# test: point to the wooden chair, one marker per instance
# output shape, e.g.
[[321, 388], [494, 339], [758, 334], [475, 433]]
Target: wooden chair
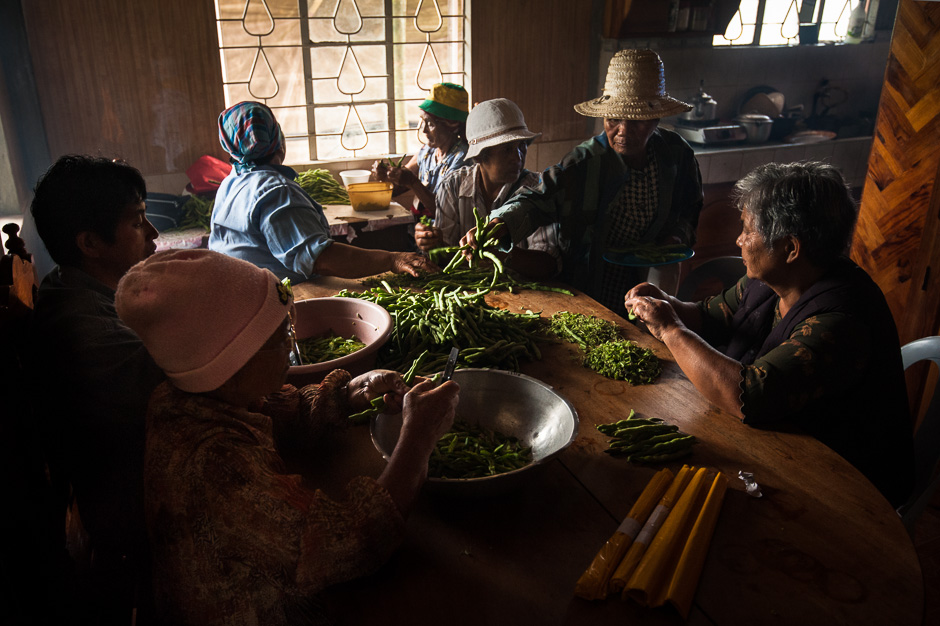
[[711, 277], [926, 438]]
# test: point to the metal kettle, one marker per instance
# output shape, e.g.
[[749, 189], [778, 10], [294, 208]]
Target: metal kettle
[[704, 107]]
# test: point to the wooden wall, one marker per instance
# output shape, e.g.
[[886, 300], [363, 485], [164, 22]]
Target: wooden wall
[[537, 53], [898, 236], [140, 80]]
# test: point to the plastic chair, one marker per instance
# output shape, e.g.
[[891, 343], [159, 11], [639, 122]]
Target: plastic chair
[[927, 437], [723, 270]]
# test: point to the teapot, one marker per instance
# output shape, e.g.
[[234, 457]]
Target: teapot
[[704, 107]]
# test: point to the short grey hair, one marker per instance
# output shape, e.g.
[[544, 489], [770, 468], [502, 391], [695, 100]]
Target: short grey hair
[[810, 201]]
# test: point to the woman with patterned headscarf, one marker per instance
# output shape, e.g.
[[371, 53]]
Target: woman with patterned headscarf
[[263, 216], [444, 130]]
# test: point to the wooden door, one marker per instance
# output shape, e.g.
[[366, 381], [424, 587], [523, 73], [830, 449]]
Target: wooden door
[[898, 235]]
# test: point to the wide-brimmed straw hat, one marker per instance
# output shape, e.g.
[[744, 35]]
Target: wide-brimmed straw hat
[[495, 122], [635, 90]]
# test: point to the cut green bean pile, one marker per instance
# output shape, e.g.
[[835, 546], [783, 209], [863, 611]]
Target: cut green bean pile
[[624, 360], [586, 331], [649, 440], [470, 451], [197, 213], [319, 349], [322, 187], [436, 321]]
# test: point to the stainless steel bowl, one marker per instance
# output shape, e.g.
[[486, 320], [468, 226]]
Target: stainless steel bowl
[[507, 402]]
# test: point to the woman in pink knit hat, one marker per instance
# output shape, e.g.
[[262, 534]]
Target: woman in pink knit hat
[[237, 538]]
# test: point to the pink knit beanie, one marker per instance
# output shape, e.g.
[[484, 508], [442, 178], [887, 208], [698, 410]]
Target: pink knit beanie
[[201, 315]]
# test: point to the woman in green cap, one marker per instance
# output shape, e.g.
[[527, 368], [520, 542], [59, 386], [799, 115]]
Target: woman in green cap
[[443, 126]]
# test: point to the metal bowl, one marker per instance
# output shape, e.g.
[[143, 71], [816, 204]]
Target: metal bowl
[[510, 403], [318, 317]]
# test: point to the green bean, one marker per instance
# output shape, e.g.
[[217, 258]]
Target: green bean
[[470, 451], [641, 442], [586, 331], [322, 187], [196, 213], [624, 360], [320, 349]]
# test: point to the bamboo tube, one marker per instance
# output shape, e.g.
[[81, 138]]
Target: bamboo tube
[[651, 577], [689, 570], [594, 581], [622, 574]]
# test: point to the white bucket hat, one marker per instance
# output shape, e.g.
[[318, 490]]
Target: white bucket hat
[[495, 122], [635, 89]]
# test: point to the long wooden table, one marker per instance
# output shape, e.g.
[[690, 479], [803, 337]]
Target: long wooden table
[[821, 546]]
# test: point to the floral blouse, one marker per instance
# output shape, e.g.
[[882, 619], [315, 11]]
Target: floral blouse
[[236, 538]]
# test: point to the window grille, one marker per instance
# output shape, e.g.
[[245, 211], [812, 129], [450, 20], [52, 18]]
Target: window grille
[[343, 77], [777, 22]]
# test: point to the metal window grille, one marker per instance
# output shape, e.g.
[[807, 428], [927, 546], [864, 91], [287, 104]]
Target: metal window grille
[[343, 77], [777, 22]]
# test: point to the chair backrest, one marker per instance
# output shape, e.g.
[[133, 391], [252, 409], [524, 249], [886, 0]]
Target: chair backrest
[[927, 436], [717, 274]]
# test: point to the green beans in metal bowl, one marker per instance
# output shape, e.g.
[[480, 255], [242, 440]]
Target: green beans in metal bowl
[[496, 401]]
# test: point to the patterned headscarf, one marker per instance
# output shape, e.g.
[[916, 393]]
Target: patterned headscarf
[[249, 132]]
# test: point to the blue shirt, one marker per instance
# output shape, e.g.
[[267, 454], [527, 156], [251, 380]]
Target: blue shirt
[[264, 217]]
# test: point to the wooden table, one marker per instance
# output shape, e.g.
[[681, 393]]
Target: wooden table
[[822, 546], [387, 230]]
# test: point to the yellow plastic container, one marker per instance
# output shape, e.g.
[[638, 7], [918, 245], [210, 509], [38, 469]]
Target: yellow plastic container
[[373, 196]]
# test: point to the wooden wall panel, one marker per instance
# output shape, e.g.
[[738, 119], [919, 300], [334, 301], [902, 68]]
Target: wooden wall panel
[[898, 235], [138, 79], [537, 53]]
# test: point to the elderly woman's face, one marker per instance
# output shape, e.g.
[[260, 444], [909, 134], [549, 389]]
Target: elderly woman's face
[[762, 263], [437, 132], [628, 137]]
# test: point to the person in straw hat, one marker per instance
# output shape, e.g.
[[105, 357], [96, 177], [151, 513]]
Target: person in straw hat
[[499, 140], [442, 129], [237, 537], [632, 183]]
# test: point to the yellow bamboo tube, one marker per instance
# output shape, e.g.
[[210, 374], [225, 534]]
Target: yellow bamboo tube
[[689, 570], [622, 574], [593, 582], [651, 577]]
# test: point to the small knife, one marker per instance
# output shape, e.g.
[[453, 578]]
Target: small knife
[[451, 364]]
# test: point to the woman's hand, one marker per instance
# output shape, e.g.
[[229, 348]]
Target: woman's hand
[[654, 311], [428, 413], [428, 237], [402, 176], [379, 171], [412, 263], [388, 385]]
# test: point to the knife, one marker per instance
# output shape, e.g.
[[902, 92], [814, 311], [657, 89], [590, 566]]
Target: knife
[[451, 364]]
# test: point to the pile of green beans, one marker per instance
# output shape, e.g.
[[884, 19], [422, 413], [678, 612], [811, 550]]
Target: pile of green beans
[[436, 321], [469, 451], [624, 360], [319, 349], [586, 331], [653, 253], [322, 187], [649, 440], [197, 213]]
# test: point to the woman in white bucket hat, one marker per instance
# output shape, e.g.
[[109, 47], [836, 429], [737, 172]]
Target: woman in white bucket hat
[[498, 140], [632, 183]]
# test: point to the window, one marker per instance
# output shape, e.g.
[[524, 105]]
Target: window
[[778, 22], [343, 77]]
